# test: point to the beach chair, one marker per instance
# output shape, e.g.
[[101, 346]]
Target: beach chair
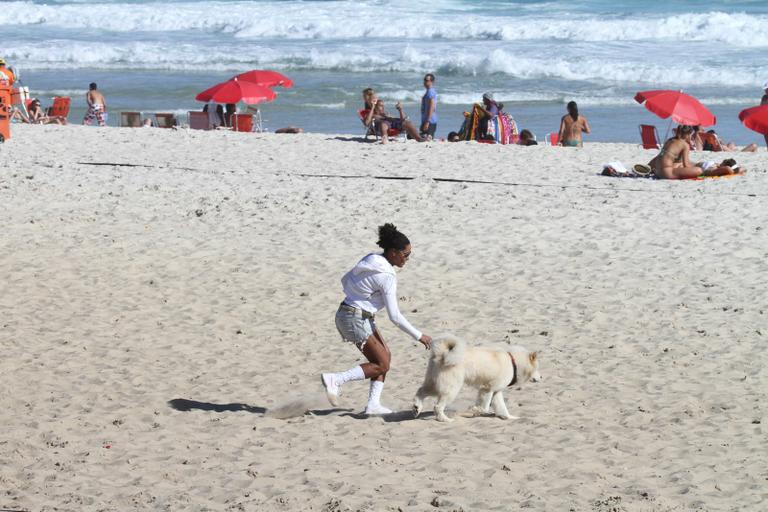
[[198, 120], [60, 107], [371, 128], [256, 113], [131, 120], [165, 120], [242, 122], [710, 141], [649, 136], [552, 138]]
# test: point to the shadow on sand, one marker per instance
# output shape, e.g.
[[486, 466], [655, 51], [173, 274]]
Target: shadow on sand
[[185, 405]]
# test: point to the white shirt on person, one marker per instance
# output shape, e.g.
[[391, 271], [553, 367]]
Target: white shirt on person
[[371, 285]]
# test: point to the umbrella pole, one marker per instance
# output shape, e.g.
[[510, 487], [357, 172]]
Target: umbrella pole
[[669, 127]]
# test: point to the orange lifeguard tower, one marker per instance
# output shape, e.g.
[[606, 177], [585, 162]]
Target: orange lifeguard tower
[[6, 109]]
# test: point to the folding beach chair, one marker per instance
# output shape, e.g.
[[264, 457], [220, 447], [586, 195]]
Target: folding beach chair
[[198, 120], [710, 141], [370, 129], [649, 136], [60, 107], [242, 122], [552, 138], [165, 120], [131, 119], [256, 114]]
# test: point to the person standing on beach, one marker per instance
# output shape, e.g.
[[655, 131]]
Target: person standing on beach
[[7, 78], [370, 286], [571, 126], [764, 101], [97, 106], [429, 108]]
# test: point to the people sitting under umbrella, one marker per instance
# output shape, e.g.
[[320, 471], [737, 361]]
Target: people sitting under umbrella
[[673, 161]]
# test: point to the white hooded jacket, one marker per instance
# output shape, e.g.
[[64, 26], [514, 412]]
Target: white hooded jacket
[[371, 285]]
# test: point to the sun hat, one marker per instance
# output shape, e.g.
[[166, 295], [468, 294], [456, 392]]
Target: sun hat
[[765, 85], [2, 61]]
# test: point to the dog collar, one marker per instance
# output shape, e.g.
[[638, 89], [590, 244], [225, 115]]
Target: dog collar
[[514, 370]]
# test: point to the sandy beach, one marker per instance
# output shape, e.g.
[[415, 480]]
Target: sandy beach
[[167, 305]]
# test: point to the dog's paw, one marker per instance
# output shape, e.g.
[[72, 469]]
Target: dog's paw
[[476, 411], [443, 418], [507, 417], [416, 410]]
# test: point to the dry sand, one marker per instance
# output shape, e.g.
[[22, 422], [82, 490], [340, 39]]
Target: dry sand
[[165, 317]]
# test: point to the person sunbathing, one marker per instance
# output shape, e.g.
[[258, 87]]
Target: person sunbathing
[[384, 122], [38, 116], [17, 116], [673, 161], [727, 166], [711, 142], [527, 138]]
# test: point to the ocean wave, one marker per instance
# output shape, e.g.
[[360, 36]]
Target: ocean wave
[[458, 62], [402, 21], [514, 97]]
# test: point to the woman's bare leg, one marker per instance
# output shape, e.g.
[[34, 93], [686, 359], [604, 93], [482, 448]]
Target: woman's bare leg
[[379, 357], [750, 148], [685, 173]]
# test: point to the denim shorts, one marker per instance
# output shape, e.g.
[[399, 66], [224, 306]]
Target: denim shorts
[[354, 328]]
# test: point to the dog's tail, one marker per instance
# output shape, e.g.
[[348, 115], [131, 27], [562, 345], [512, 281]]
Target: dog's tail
[[448, 350]]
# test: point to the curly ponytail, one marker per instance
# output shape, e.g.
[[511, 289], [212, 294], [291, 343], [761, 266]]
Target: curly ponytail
[[391, 238]]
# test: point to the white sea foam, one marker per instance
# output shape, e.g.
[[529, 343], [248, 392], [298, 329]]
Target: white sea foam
[[512, 97], [403, 22], [467, 62]]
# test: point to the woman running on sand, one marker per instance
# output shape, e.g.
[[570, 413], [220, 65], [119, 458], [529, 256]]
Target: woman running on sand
[[369, 287]]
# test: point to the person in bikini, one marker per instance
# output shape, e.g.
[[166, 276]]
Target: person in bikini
[[38, 116], [97, 106], [571, 126], [711, 142], [673, 161], [383, 122]]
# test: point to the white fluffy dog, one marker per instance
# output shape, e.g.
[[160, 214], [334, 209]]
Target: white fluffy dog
[[453, 364]]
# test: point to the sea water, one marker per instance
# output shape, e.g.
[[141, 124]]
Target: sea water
[[535, 56]]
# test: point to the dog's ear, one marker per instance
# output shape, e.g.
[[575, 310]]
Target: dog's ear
[[533, 356]]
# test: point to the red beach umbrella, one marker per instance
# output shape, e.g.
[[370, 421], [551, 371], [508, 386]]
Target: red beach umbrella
[[234, 90], [755, 118], [683, 108], [265, 77]]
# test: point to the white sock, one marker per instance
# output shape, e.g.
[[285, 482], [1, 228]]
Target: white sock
[[374, 392], [355, 373]]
